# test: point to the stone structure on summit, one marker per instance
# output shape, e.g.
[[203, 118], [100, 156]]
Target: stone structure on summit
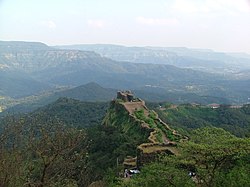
[[126, 96]]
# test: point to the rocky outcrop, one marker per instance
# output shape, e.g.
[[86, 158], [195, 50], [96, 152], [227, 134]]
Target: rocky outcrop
[[126, 96]]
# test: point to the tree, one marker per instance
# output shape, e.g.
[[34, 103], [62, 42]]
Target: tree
[[213, 151], [48, 154]]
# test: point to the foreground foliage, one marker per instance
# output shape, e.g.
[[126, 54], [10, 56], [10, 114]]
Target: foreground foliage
[[49, 148], [215, 156], [40, 155]]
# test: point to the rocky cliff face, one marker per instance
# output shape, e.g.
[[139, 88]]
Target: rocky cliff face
[[33, 57], [31, 67]]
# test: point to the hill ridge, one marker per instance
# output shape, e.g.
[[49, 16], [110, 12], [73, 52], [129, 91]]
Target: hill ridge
[[160, 139]]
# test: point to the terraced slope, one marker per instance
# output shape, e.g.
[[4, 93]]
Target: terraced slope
[[161, 139], [158, 137]]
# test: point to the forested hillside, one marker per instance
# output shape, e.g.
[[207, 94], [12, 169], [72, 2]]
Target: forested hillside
[[188, 117], [90, 92], [73, 112], [75, 143]]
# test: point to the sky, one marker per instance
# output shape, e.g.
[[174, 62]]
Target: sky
[[221, 25]]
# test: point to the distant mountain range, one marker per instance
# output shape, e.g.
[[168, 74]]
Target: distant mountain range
[[198, 59], [28, 68]]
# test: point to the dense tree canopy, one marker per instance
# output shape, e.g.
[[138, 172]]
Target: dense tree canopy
[[213, 156], [48, 154], [188, 117], [50, 148]]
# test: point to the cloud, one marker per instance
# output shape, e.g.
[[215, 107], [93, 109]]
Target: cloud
[[96, 23], [49, 24], [157, 21]]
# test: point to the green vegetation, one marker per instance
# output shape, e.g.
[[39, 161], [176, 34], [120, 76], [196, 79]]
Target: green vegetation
[[65, 144], [117, 138], [187, 117], [151, 120], [47, 154], [215, 156], [90, 92], [140, 114], [168, 133], [73, 112], [159, 136]]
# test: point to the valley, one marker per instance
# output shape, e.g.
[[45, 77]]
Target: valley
[[30, 69]]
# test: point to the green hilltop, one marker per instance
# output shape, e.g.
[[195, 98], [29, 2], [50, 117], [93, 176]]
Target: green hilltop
[[151, 135]]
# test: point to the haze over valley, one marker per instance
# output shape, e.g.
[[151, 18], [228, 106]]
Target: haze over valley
[[182, 51], [186, 75]]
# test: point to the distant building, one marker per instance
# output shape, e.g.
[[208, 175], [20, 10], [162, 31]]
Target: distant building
[[236, 106], [214, 105]]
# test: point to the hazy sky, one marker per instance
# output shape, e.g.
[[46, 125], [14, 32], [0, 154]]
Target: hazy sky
[[222, 25]]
